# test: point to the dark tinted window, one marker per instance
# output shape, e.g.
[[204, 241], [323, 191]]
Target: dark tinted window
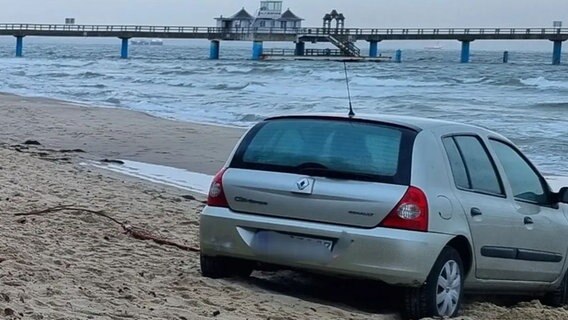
[[327, 147], [480, 168], [525, 182], [456, 163]]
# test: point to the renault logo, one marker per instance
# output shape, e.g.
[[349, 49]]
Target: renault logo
[[303, 184]]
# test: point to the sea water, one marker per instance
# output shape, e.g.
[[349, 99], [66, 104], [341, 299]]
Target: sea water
[[526, 100]]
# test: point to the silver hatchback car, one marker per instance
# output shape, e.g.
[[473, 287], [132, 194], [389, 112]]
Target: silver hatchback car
[[433, 206]]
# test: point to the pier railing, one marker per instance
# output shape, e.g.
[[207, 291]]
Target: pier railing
[[142, 29], [307, 52], [437, 31], [23, 27], [99, 28]]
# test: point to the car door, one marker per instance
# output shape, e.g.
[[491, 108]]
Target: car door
[[489, 213], [540, 228]]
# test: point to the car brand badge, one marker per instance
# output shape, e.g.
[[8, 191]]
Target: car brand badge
[[303, 184]]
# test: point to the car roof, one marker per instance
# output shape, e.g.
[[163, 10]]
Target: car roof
[[415, 123]]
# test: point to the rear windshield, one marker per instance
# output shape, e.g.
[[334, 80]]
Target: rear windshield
[[345, 149]]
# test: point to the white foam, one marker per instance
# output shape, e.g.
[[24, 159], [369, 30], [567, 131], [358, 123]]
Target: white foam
[[388, 82], [557, 182], [173, 177], [543, 83]]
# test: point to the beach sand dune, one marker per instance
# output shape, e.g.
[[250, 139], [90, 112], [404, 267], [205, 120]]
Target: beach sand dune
[[78, 265]]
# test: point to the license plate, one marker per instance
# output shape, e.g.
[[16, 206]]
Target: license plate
[[326, 243]]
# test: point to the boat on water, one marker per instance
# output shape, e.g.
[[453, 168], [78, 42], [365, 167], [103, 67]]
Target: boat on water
[[143, 42]]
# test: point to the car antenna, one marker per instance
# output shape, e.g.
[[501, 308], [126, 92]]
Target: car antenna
[[351, 113]]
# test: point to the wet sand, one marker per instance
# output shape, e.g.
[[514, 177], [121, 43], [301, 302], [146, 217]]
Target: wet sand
[[116, 133], [79, 265]]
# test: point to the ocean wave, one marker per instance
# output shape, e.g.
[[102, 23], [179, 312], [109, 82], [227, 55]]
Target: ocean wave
[[232, 69], [250, 118], [553, 105], [69, 64], [91, 74], [330, 75], [543, 83], [251, 70], [257, 87], [232, 87], [178, 72], [510, 82], [182, 85], [51, 75], [376, 82], [473, 80], [114, 101], [144, 81], [95, 86]]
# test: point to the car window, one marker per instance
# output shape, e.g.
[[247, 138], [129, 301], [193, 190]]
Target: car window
[[525, 182], [479, 166], [456, 163], [368, 151]]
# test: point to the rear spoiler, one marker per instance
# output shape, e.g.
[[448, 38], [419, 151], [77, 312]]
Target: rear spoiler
[[346, 118]]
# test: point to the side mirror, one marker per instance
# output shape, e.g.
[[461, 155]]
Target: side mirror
[[563, 195]]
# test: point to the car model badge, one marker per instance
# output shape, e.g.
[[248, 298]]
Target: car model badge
[[303, 184]]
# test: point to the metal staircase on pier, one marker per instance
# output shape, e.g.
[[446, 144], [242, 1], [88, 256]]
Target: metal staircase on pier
[[347, 47]]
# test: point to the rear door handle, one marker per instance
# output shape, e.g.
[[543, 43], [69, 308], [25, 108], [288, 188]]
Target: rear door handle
[[528, 220], [475, 212]]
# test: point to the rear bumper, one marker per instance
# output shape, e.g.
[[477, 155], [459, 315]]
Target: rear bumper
[[396, 257]]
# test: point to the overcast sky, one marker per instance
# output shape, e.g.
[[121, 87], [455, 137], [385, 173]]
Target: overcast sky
[[359, 13]]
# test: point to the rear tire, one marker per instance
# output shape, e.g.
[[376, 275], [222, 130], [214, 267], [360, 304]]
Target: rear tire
[[559, 297], [442, 293], [223, 267]]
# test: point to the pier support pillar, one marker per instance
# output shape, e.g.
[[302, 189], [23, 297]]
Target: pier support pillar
[[398, 56], [506, 57], [214, 50], [124, 50], [19, 46], [465, 51], [373, 49], [257, 48], [300, 48], [557, 53]]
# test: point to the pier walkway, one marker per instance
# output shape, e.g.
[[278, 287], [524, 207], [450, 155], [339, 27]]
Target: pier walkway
[[343, 38]]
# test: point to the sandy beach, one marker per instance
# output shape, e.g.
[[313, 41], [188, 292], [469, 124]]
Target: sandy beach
[[80, 264], [116, 133]]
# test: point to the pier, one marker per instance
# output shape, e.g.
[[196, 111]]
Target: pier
[[343, 38]]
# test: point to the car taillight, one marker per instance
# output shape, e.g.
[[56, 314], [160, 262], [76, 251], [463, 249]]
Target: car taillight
[[216, 197], [411, 213]]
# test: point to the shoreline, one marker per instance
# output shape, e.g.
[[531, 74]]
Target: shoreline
[[85, 104], [157, 141], [116, 133]]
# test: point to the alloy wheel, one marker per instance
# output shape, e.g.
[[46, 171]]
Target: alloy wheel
[[448, 290]]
